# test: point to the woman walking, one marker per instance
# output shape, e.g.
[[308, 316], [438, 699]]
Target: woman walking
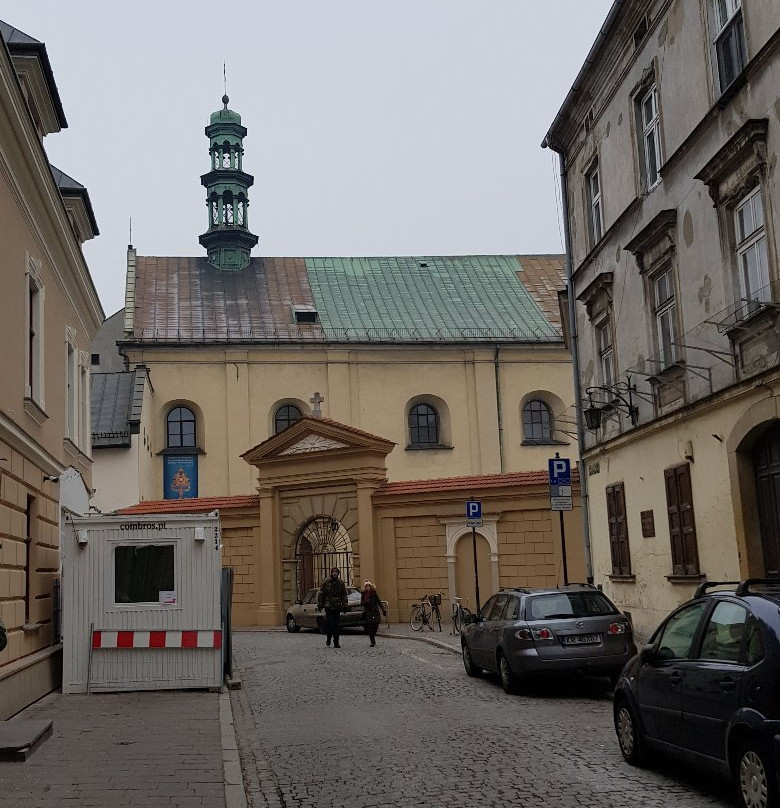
[[372, 605]]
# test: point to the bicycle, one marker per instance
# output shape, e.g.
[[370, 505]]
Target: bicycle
[[424, 612], [458, 614]]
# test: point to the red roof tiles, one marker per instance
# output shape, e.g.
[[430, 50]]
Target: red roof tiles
[[461, 483], [192, 505]]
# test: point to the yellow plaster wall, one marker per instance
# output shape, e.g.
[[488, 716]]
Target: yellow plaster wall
[[421, 564]]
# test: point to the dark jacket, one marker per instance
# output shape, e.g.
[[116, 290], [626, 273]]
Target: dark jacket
[[333, 594], [372, 605]]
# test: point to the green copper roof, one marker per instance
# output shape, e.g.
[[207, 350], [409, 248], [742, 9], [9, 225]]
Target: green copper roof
[[427, 298]]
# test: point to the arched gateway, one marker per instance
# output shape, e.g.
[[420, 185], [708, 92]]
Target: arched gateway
[[323, 543]]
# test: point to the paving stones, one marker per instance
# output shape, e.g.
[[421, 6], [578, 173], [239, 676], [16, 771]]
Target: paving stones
[[122, 749], [402, 725]]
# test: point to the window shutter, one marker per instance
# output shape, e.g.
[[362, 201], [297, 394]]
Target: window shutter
[[618, 529], [682, 525]]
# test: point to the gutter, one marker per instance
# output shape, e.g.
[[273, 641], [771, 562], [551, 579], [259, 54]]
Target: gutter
[[574, 341], [549, 141]]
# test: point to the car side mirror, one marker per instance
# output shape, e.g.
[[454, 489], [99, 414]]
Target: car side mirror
[[299, 602], [648, 654], [470, 619]]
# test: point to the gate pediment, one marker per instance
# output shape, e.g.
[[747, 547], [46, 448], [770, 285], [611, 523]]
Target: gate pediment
[[321, 446]]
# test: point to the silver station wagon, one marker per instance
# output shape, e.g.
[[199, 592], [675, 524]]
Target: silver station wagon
[[303, 613], [522, 632]]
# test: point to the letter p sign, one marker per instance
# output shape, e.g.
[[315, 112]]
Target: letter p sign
[[473, 509], [559, 471]]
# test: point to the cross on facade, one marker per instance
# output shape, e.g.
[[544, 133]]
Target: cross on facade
[[316, 399]]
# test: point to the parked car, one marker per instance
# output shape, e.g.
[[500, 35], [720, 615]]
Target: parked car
[[303, 613], [706, 688], [521, 632]]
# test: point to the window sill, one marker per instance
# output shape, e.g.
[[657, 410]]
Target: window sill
[[423, 447], [686, 579], [35, 411], [550, 442], [182, 450], [730, 91], [31, 628], [627, 579]]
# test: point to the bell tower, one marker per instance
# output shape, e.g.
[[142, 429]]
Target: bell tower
[[227, 240]]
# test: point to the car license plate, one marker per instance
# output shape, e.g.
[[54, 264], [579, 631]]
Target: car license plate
[[581, 639]]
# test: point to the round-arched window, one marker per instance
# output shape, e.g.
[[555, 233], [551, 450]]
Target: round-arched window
[[423, 425], [286, 416], [181, 428], [537, 423]]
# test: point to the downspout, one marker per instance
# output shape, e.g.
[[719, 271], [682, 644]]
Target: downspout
[[496, 368], [574, 342]]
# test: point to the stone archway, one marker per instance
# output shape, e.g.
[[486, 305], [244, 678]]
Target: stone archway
[[460, 559]]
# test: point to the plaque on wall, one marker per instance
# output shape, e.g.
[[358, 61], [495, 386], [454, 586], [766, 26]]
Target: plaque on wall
[[648, 524]]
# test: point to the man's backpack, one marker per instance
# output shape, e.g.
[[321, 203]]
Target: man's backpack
[[3, 636]]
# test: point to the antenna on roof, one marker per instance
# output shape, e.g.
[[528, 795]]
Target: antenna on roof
[[131, 231], [224, 76]]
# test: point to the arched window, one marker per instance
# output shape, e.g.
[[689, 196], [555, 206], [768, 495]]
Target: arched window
[[537, 424], [286, 416], [181, 428], [423, 425]]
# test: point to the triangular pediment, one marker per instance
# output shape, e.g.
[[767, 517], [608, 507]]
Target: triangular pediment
[[311, 437]]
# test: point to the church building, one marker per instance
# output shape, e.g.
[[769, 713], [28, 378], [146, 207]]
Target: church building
[[340, 410]]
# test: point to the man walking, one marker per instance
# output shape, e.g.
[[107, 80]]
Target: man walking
[[333, 598]]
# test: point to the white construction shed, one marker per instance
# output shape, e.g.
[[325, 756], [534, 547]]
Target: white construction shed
[[141, 602]]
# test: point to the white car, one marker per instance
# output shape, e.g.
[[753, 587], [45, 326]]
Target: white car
[[303, 613]]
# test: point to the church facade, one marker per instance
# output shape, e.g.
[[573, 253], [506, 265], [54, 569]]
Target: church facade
[[425, 370]]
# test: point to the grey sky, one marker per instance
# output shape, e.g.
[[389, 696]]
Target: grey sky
[[409, 127]]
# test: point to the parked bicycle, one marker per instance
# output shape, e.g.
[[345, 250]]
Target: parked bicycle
[[458, 614], [425, 612]]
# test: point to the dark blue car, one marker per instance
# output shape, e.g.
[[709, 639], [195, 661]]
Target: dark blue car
[[706, 689]]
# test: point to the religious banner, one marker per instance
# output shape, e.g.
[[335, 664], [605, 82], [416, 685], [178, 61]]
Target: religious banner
[[180, 477]]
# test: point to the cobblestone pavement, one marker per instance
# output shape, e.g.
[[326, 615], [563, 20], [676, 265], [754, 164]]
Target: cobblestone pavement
[[122, 749], [401, 725]]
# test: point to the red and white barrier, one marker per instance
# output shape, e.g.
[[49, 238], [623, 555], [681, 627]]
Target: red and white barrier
[[157, 639]]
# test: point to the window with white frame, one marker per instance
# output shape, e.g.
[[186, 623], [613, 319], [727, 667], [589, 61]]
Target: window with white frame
[[664, 305], [33, 388], [595, 215], [750, 240], [729, 40], [650, 143], [604, 347]]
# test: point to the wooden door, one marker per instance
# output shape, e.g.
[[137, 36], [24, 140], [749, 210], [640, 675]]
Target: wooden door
[[766, 461]]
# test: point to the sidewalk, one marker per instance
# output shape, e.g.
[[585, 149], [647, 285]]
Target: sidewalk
[[442, 639], [152, 749]]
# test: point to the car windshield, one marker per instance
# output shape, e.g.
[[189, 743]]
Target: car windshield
[[568, 604]]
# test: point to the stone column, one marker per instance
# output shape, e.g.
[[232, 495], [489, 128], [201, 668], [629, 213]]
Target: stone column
[[365, 513], [267, 558]]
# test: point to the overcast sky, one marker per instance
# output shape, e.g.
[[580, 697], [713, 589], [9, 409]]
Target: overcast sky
[[409, 127]]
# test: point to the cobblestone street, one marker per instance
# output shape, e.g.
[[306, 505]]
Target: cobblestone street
[[402, 725]]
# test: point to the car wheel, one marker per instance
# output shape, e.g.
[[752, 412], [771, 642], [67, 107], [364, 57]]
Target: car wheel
[[628, 733], [468, 662], [508, 679], [321, 625], [756, 784], [292, 626]]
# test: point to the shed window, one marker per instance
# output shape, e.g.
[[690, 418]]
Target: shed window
[[142, 571]]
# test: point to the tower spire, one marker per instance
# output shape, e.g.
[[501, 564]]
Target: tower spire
[[228, 241]]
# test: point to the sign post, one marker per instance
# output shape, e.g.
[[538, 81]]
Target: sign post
[[474, 520], [559, 472]]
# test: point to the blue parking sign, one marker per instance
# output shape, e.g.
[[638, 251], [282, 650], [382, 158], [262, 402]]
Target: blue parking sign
[[473, 509], [559, 469]]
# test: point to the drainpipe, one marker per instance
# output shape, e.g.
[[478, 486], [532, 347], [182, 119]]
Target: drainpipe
[[496, 368], [574, 342]]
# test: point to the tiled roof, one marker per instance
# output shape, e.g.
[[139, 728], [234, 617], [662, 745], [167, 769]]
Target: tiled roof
[[439, 299], [194, 505], [544, 276], [115, 407], [476, 482]]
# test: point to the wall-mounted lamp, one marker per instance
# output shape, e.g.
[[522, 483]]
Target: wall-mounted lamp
[[51, 478], [82, 538], [605, 399]]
